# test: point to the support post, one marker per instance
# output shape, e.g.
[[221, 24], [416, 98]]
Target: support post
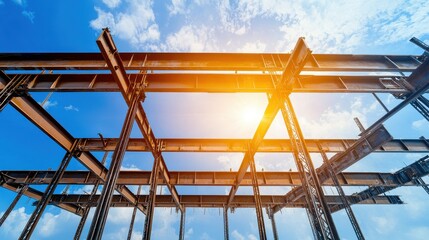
[[342, 195], [257, 197], [182, 224], [151, 199], [41, 205], [133, 217], [225, 223], [320, 216], [273, 223], [13, 204], [100, 215], [87, 209]]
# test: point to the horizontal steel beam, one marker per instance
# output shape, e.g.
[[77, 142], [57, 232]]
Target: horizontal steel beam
[[169, 82], [203, 178], [241, 145], [217, 201], [37, 195], [30, 109], [206, 61]]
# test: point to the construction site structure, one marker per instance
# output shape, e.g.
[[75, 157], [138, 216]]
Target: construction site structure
[[278, 75]]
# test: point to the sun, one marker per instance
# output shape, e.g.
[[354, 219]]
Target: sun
[[249, 115]]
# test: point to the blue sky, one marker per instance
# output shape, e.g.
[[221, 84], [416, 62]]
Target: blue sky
[[359, 27]]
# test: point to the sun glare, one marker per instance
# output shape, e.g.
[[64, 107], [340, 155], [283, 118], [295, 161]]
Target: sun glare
[[250, 115]]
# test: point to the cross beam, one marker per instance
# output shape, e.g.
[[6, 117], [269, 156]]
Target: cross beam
[[241, 145], [216, 201], [208, 61], [214, 83], [204, 178]]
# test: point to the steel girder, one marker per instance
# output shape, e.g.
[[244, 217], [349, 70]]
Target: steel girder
[[241, 145], [216, 201], [30, 109], [201, 178], [207, 61], [214, 83]]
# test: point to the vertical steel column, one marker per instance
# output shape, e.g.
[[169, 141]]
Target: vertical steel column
[[100, 215], [320, 216], [152, 198], [273, 223], [182, 224], [133, 217], [257, 197], [43, 202], [225, 223], [341, 193], [87, 209], [13, 204]]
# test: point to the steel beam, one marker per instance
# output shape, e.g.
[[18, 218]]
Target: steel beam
[[102, 211], [212, 83], [340, 161], [30, 109], [341, 193], [419, 81], [411, 173], [207, 61], [37, 195], [258, 203], [241, 145], [225, 224], [216, 201], [85, 213], [46, 198], [273, 223], [292, 69], [133, 217], [182, 225], [117, 66], [204, 178], [21, 192]]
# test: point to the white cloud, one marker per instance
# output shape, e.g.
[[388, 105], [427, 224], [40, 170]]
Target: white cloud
[[29, 15], [166, 224], [136, 24], [383, 224], [236, 235], [420, 124], [250, 47], [48, 104], [15, 223], [129, 167], [338, 122], [112, 3], [71, 108], [177, 7], [190, 38], [51, 224], [230, 19]]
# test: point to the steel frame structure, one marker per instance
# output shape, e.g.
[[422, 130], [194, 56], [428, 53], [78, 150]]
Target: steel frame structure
[[278, 75]]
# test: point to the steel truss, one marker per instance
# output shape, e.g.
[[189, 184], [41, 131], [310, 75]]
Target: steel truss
[[134, 74]]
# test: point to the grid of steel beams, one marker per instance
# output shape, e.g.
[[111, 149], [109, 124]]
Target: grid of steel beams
[[278, 75]]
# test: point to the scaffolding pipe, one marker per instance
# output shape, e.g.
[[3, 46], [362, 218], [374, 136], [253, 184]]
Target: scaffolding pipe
[[273, 223]]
